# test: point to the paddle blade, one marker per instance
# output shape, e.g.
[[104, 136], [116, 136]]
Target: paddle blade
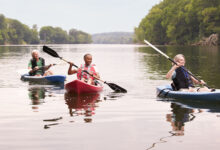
[[116, 88], [50, 51]]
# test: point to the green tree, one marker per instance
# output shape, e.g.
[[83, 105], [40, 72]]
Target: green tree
[[60, 36], [46, 34], [14, 32], [18, 33], [3, 33], [79, 37], [180, 22], [35, 35]]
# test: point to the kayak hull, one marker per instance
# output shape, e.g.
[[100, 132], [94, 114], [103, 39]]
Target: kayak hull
[[167, 92], [44, 79], [80, 87]]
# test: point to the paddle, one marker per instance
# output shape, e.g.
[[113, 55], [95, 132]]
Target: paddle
[[113, 86], [159, 51], [43, 67], [25, 71]]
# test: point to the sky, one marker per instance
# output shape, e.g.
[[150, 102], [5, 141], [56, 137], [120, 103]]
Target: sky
[[91, 16]]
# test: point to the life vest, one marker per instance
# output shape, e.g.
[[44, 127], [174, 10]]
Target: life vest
[[81, 74], [182, 79], [34, 64]]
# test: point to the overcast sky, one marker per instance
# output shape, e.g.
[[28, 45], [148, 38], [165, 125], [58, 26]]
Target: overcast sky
[[91, 16]]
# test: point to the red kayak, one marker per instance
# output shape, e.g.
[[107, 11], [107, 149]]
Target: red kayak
[[79, 87]]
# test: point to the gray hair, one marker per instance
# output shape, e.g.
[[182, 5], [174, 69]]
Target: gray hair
[[177, 57], [34, 51]]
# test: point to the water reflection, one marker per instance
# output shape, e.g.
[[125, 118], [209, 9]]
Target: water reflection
[[37, 93], [179, 117], [47, 126], [13, 51], [161, 140], [182, 112], [37, 96], [113, 96], [206, 106], [82, 105]]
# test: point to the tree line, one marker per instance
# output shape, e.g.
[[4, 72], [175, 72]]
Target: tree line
[[113, 38], [180, 22], [14, 32]]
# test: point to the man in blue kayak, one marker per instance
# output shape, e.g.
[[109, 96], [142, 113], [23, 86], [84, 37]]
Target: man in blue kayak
[[82, 72], [36, 65], [182, 80]]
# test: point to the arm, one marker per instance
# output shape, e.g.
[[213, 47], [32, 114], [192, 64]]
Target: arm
[[93, 74], [29, 67], [96, 75], [47, 67], [170, 72], [30, 70], [197, 82], [70, 70]]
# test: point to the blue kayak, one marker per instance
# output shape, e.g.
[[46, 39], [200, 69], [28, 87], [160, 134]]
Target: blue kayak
[[166, 91], [44, 79]]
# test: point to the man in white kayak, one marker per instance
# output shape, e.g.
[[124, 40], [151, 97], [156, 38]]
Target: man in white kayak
[[182, 80], [36, 65], [84, 69]]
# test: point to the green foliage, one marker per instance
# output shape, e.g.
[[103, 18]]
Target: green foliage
[[35, 38], [79, 37], [179, 22], [2, 22], [113, 38], [51, 35], [14, 32]]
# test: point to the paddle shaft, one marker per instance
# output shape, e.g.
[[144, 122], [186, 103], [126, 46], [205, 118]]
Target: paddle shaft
[[55, 54], [159, 51], [94, 76], [69, 62], [42, 67], [84, 71]]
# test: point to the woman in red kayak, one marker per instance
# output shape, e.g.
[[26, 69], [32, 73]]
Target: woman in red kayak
[[182, 80], [84, 68]]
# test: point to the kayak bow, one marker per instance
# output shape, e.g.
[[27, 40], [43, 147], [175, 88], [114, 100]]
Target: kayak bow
[[44, 79], [166, 91], [79, 87]]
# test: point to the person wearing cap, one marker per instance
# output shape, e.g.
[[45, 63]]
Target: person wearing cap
[[36, 65]]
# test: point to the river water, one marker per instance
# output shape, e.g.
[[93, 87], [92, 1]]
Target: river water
[[44, 117]]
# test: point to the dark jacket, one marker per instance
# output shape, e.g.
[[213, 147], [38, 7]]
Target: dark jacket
[[182, 79], [34, 64]]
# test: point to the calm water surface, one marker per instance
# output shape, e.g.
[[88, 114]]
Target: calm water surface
[[45, 117]]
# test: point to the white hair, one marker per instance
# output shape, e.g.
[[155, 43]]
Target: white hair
[[34, 51], [178, 56]]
